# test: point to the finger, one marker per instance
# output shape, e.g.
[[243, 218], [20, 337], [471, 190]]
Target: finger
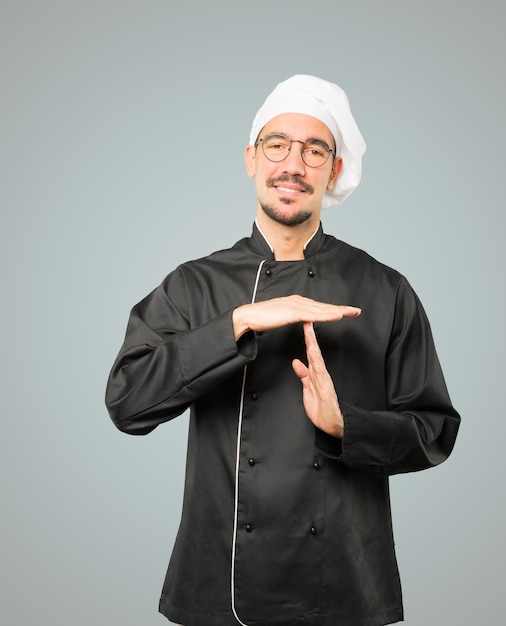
[[313, 351], [317, 369], [300, 369], [351, 311], [322, 312]]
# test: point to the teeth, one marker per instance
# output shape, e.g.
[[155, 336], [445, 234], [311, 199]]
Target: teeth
[[288, 190]]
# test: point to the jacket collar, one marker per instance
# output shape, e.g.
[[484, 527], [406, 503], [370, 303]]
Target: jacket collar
[[261, 245]]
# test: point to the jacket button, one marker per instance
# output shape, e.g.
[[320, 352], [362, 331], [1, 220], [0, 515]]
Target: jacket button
[[313, 530], [249, 528], [268, 273], [316, 465], [311, 274], [254, 396], [251, 462]]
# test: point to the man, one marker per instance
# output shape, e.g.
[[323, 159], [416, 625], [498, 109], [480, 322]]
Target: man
[[311, 376]]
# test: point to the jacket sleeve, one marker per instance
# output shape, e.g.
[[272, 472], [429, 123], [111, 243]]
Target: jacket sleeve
[[418, 427], [166, 363]]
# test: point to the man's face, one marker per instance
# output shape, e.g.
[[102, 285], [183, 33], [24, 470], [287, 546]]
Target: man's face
[[289, 191]]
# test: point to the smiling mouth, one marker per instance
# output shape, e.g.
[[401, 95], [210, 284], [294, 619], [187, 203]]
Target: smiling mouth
[[289, 185], [289, 189]]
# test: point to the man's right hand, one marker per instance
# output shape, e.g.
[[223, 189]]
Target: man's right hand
[[279, 312]]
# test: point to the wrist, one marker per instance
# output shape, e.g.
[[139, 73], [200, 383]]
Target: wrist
[[239, 321], [337, 429]]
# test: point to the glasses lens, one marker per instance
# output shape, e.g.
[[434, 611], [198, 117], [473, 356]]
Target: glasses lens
[[315, 153], [276, 147]]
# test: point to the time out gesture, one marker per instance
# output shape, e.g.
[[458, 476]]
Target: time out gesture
[[319, 395]]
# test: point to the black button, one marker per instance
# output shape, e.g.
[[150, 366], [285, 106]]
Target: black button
[[313, 530], [268, 273], [253, 396], [316, 465], [311, 274], [249, 528], [251, 462]]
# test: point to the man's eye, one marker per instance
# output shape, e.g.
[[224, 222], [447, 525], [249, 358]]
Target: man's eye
[[277, 145], [314, 151]]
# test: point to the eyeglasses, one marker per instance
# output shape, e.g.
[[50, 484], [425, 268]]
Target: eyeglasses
[[314, 152]]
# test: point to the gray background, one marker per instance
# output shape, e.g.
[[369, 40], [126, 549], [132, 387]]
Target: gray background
[[123, 128]]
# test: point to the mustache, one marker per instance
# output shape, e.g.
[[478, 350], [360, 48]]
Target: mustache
[[294, 180]]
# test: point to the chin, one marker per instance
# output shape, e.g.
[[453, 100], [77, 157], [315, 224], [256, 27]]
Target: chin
[[300, 216]]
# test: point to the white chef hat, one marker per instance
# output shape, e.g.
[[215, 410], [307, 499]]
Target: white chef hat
[[328, 103]]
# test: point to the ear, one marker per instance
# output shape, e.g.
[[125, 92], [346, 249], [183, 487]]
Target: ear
[[249, 160], [337, 168]]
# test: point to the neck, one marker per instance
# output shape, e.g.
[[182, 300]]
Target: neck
[[287, 242]]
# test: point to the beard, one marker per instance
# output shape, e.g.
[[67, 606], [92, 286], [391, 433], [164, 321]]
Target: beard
[[276, 214], [287, 220]]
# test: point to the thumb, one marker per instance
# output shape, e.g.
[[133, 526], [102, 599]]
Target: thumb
[[299, 368]]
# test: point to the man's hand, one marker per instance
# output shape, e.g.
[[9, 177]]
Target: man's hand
[[318, 391], [279, 312]]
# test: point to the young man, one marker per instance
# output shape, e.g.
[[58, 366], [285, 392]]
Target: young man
[[311, 376]]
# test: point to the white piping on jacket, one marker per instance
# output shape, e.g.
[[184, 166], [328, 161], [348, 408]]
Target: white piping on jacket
[[310, 238], [237, 459], [272, 249], [261, 232]]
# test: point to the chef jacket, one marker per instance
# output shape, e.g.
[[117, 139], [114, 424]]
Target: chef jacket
[[283, 524]]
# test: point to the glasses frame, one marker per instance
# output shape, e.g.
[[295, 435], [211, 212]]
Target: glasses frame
[[321, 143]]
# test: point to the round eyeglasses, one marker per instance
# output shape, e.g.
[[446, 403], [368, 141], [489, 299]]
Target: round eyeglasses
[[314, 152]]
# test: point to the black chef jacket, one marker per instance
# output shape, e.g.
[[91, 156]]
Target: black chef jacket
[[281, 523]]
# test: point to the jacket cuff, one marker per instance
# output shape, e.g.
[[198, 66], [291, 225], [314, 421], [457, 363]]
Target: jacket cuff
[[213, 345], [331, 447], [368, 438]]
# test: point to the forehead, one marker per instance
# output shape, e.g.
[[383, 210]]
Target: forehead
[[298, 126]]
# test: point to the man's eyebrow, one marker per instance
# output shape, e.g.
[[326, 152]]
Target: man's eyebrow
[[322, 143], [313, 139], [275, 134], [317, 140]]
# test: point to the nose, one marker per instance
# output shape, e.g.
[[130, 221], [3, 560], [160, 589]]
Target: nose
[[293, 163]]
